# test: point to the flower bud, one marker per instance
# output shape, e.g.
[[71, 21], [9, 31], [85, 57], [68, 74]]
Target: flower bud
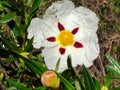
[[104, 88], [24, 54], [50, 79], [1, 76]]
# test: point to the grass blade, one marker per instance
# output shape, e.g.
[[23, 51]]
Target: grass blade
[[67, 84], [89, 83], [17, 85], [40, 88], [7, 18], [35, 66], [35, 5], [10, 45], [115, 67]]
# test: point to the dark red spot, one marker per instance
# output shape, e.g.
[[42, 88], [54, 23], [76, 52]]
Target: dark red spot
[[78, 45], [51, 39], [75, 30], [62, 51], [60, 26]]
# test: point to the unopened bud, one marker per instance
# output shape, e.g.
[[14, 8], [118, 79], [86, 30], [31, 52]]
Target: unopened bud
[[50, 79], [24, 54], [104, 88], [1, 76]]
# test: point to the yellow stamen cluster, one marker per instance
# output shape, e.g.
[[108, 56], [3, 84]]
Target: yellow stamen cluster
[[65, 38]]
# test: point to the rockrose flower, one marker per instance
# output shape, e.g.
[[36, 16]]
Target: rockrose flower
[[66, 30]]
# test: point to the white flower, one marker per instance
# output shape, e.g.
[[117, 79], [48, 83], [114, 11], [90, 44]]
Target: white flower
[[66, 30]]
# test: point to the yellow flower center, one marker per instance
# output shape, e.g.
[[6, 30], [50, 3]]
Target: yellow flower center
[[65, 38]]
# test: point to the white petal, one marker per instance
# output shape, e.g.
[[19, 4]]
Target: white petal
[[80, 17], [34, 30], [63, 63], [88, 53], [79, 58], [51, 56], [93, 47], [87, 17], [59, 8], [42, 29], [50, 29]]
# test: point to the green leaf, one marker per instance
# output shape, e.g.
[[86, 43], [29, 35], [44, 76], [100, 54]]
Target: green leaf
[[89, 83], [35, 66], [17, 85], [112, 68], [109, 79], [18, 30], [77, 84], [57, 65], [29, 2], [28, 45], [116, 88], [97, 85], [69, 63], [7, 18], [5, 3], [118, 48], [40, 88], [117, 3], [40, 66], [10, 59], [10, 45], [67, 84], [115, 67], [11, 88], [35, 6], [15, 6]]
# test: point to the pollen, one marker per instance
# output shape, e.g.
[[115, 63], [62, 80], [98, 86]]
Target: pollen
[[65, 38]]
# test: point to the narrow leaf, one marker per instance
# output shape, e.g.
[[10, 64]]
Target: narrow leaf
[[77, 85], [40, 66], [17, 85], [35, 66], [35, 6], [10, 59], [89, 83], [118, 48], [113, 69], [109, 79], [28, 45], [5, 3], [97, 85], [7, 17], [69, 63], [116, 66], [40, 88], [116, 88], [18, 30], [10, 45], [57, 65], [67, 84]]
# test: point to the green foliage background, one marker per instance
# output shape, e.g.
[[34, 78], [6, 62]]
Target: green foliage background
[[21, 66]]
